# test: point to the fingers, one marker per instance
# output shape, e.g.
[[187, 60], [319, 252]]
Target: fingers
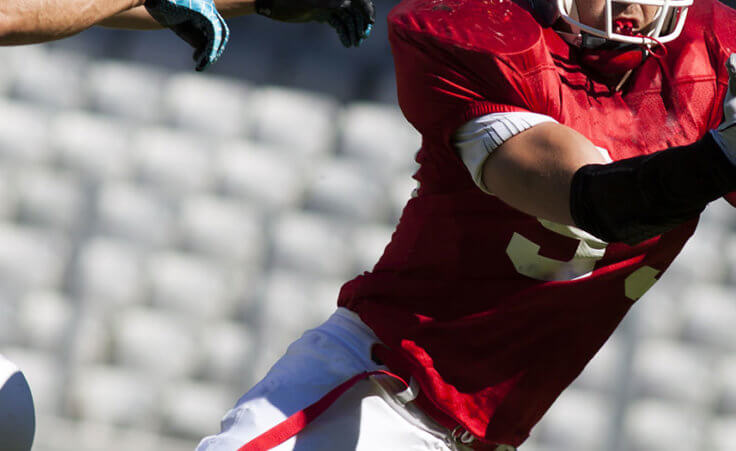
[[353, 22], [217, 34], [191, 34], [342, 32], [369, 10], [348, 18]]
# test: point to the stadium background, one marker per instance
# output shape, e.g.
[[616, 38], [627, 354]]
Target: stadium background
[[165, 234]]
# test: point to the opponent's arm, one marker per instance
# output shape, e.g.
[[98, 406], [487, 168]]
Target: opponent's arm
[[34, 21], [351, 19], [139, 19]]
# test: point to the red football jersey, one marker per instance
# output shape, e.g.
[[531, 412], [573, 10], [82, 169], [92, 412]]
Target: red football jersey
[[496, 311]]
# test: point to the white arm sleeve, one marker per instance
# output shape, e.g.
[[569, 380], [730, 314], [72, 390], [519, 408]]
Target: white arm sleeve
[[477, 139]]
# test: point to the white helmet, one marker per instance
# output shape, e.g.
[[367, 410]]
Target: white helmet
[[667, 24]]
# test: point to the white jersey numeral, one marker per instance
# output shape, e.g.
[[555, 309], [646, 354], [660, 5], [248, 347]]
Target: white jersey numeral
[[525, 257], [524, 254]]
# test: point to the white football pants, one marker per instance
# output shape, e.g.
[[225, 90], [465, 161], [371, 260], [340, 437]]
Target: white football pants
[[369, 416]]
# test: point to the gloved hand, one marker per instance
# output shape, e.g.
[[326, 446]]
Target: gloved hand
[[725, 134], [352, 19], [195, 21]]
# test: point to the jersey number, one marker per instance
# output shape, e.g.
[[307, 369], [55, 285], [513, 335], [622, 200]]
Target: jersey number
[[524, 255]]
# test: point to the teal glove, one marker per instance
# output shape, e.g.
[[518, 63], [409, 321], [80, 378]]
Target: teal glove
[[195, 21]]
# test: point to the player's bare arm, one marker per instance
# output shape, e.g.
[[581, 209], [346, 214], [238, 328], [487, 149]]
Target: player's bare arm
[[34, 21], [139, 19], [533, 170]]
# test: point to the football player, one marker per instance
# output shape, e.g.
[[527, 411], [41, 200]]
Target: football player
[[568, 149]]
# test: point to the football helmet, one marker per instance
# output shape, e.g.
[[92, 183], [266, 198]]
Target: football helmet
[[666, 26], [618, 48]]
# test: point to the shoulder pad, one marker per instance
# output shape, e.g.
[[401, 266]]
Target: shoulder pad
[[710, 21], [500, 27]]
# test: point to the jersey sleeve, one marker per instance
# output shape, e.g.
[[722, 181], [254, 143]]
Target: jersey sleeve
[[442, 85], [481, 136]]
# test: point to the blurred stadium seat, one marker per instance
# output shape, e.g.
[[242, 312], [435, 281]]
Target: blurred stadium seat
[[655, 425], [130, 91], [145, 339], [578, 420], [300, 122], [709, 316], [262, 175], [378, 135], [173, 162], [93, 145], [228, 349], [40, 75], [24, 132], [195, 286], [101, 257], [116, 396], [672, 371], [341, 187], [31, 257], [49, 197], [721, 434], [207, 105], [311, 243], [193, 409], [224, 229], [725, 386], [135, 213], [45, 317]]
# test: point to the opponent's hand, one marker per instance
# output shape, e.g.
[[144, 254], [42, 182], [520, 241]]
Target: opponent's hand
[[195, 21], [352, 19]]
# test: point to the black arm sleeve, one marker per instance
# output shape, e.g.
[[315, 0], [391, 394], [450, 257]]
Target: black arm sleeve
[[638, 198]]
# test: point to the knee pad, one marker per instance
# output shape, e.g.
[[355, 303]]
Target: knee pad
[[17, 417]]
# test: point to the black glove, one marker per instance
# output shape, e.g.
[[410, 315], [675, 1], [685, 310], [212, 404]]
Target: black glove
[[352, 19]]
